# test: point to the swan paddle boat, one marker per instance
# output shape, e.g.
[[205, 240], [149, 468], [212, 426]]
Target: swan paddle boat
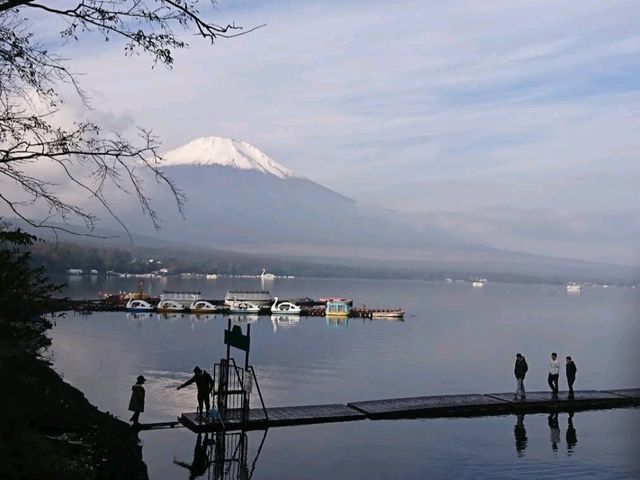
[[138, 305], [285, 308], [170, 306]]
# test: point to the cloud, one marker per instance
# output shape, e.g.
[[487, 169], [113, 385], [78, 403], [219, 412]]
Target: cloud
[[363, 95]]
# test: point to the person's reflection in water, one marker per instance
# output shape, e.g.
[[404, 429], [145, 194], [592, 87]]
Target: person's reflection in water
[[201, 461], [572, 436], [521, 435], [554, 430]]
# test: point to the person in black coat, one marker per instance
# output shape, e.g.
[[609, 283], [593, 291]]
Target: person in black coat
[[204, 382], [136, 403], [571, 374], [520, 370]]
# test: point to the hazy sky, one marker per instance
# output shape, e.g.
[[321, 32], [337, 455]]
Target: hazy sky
[[418, 105]]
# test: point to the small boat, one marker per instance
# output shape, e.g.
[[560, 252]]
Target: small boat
[[393, 313], [285, 308], [244, 307], [267, 276], [338, 308], [202, 306], [138, 305], [169, 306], [211, 276], [479, 283], [574, 288]]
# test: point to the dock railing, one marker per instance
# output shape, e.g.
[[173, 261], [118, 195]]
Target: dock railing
[[232, 391]]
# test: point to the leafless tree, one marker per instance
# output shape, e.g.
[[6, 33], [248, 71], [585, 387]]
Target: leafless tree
[[30, 81]]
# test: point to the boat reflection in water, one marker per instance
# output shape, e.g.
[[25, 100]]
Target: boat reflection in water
[[284, 321], [337, 321], [139, 316], [172, 317], [222, 455], [202, 317], [244, 319]]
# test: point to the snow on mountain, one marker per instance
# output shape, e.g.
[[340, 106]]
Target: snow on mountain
[[226, 152]]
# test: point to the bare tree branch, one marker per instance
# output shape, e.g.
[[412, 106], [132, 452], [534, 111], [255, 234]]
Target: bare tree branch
[[30, 78]]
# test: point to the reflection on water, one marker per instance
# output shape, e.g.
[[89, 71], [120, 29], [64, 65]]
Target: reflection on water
[[572, 436], [554, 430], [454, 340], [222, 455], [337, 321], [520, 433], [226, 455], [243, 318], [284, 321]]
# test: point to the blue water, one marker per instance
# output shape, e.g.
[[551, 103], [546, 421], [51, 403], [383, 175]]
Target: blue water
[[454, 339]]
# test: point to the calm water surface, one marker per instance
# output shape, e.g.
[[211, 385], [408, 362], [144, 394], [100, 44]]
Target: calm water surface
[[454, 339]]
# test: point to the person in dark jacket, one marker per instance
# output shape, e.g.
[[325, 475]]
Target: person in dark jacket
[[204, 382], [136, 403], [520, 370], [571, 374]]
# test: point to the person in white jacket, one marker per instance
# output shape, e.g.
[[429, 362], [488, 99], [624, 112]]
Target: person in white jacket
[[554, 373]]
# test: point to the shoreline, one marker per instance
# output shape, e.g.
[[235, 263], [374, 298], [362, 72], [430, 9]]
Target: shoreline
[[48, 428]]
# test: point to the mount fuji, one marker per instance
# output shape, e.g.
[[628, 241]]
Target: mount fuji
[[240, 198]]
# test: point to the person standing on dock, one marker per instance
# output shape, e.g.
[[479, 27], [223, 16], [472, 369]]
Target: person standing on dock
[[204, 382], [554, 374], [136, 403], [520, 371], [571, 374]]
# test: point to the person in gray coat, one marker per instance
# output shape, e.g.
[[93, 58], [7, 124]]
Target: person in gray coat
[[136, 403]]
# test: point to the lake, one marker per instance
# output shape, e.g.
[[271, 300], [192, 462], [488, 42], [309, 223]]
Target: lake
[[454, 339]]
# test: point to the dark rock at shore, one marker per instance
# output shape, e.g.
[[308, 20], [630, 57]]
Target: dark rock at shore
[[48, 429]]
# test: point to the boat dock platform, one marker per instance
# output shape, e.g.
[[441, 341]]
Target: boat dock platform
[[468, 405], [100, 305]]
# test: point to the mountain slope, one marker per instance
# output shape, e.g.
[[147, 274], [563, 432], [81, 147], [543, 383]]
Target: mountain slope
[[238, 197]]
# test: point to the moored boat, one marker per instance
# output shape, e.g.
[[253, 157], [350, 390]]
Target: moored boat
[[338, 308], [574, 288], [255, 297], [244, 307], [285, 308], [168, 306], [138, 305], [203, 306], [391, 313]]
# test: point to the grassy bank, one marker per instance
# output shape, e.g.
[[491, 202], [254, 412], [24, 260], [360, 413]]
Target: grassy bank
[[48, 429]]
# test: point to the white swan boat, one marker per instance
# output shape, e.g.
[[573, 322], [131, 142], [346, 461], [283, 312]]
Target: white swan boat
[[170, 306], [267, 276], [137, 305], [574, 288], [202, 306], [285, 308], [479, 283], [244, 307]]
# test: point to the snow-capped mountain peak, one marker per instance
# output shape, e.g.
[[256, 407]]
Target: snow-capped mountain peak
[[225, 152]]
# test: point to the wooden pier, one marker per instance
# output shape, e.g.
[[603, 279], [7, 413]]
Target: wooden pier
[[88, 307], [417, 407]]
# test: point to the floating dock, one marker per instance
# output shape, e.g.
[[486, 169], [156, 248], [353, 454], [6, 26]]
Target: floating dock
[[275, 417], [101, 305], [418, 407]]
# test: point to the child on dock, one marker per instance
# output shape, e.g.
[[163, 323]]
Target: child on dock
[[136, 403]]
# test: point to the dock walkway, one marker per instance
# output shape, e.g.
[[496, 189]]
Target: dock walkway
[[419, 407]]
